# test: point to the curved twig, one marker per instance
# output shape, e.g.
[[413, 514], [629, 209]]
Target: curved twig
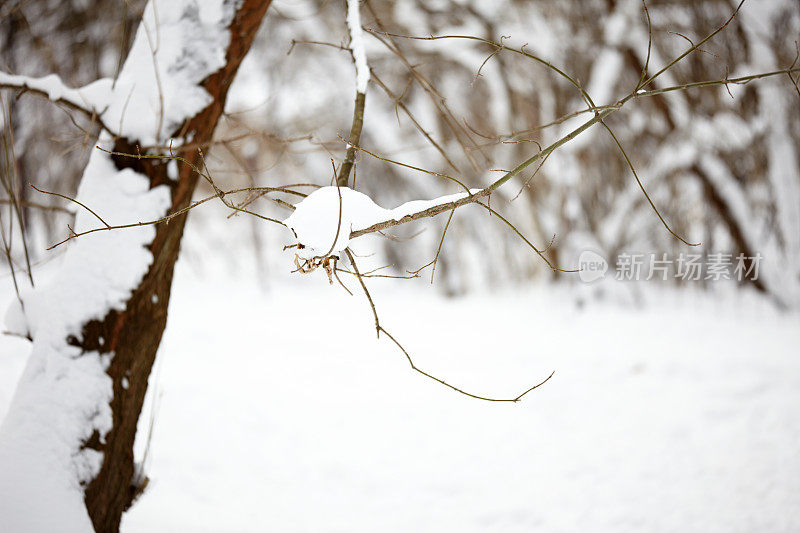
[[380, 329]]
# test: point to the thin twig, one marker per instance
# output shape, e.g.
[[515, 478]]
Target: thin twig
[[399, 103], [441, 242], [649, 46], [74, 201], [380, 329], [693, 47], [641, 186]]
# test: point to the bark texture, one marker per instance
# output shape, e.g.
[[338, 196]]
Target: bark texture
[[134, 334]]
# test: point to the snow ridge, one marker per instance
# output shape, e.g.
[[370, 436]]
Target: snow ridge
[[357, 45]]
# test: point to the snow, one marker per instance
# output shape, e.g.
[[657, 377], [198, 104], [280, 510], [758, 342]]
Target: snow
[[63, 395], [357, 45], [323, 221], [605, 73], [93, 97], [97, 272], [314, 425], [784, 162], [640, 429], [177, 45], [40, 465]]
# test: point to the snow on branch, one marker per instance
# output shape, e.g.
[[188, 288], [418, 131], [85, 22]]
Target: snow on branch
[[63, 399], [357, 45], [324, 220], [92, 99], [176, 47], [362, 77], [174, 50]]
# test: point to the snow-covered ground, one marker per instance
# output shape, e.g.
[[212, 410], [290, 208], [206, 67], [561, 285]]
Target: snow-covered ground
[[278, 410]]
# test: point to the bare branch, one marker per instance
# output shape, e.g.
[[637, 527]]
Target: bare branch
[[483, 193], [693, 47], [641, 186], [355, 137], [380, 329], [74, 201], [52, 88]]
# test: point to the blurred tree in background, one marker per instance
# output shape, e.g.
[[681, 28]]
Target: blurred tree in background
[[80, 41], [721, 162], [466, 89]]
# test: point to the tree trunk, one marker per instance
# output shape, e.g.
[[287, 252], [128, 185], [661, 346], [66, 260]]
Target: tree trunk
[[134, 334], [127, 335]]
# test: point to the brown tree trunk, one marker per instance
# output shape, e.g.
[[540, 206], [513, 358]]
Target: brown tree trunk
[[133, 335]]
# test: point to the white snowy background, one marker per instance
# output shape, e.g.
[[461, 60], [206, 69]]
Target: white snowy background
[[274, 407], [278, 410]]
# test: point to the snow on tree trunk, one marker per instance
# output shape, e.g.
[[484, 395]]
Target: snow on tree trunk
[[66, 445]]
